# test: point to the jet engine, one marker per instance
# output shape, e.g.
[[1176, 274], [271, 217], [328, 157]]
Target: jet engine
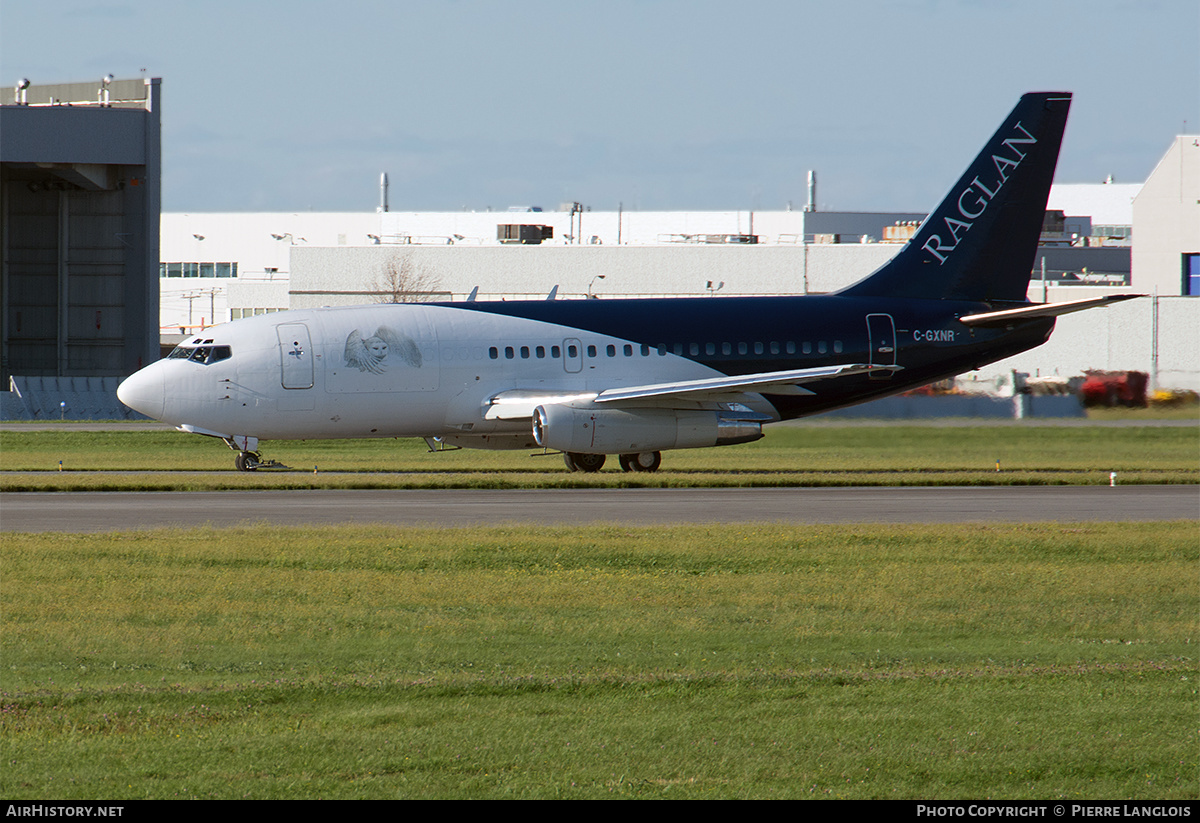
[[626, 431]]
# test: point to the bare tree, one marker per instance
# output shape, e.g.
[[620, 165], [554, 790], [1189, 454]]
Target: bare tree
[[403, 280]]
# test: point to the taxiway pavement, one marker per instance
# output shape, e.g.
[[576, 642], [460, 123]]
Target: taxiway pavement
[[118, 511]]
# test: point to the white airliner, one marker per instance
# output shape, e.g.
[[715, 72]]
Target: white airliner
[[634, 378]]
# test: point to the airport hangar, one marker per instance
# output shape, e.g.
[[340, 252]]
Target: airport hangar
[[83, 274], [80, 217]]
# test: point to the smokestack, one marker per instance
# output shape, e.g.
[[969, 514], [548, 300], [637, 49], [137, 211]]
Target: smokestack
[[812, 192], [383, 187]]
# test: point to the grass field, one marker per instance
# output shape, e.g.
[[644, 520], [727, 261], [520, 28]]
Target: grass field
[[791, 456], [1031, 661]]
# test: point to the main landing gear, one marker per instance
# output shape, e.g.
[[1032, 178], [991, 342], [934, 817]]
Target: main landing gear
[[583, 462], [643, 462]]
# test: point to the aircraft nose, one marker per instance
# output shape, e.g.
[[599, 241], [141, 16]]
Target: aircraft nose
[[143, 391]]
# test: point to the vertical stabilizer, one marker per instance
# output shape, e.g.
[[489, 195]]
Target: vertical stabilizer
[[980, 242]]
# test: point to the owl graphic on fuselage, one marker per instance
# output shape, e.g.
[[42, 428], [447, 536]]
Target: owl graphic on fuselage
[[386, 346]]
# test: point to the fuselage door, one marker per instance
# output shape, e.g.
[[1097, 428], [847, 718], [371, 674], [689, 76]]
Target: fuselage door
[[881, 332], [295, 350], [572, 355]]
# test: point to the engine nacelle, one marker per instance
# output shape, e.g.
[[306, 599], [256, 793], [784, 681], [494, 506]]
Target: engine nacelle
[[628, 431]]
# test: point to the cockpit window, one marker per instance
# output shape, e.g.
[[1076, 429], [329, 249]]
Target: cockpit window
[[206, 355]]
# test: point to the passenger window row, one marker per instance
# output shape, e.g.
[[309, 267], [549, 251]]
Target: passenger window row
[[691, 349], [758, 348], [525, 352]]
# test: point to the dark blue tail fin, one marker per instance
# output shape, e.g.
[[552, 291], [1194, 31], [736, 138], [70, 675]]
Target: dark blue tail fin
[[980, 243]]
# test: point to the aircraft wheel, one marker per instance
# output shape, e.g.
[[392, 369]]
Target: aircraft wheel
[[642, 462], [583, 462], [246, 461]]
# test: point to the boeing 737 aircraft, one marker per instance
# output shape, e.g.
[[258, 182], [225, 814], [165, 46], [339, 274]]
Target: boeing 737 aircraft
[[634, 378]]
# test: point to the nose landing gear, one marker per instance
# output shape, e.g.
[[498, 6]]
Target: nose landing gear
[[247, 461], [252, 461]]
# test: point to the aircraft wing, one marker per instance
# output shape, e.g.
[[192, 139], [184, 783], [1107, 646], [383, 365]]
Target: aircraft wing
[[518, 404], [774, 382], [1003, 318]]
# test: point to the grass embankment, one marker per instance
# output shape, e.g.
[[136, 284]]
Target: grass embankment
[[1035, 661], [787, 456]]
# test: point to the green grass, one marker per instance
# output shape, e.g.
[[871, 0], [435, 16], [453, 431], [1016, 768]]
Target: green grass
[[891, 455], [1029, 661]]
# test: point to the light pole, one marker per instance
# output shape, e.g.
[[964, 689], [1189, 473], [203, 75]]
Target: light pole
[[591, 296]]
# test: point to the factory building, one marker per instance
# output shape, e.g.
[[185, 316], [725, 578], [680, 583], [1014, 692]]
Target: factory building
[[303, 259]]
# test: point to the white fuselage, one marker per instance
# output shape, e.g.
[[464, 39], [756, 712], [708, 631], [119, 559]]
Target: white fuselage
[[398, 370]]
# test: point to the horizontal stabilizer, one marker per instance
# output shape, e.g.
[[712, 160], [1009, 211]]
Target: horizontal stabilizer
[[1007, 316]]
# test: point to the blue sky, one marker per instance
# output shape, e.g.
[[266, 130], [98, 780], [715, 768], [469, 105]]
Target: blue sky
[[653, 104]]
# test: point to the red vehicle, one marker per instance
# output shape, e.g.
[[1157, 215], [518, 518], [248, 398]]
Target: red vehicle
[[1114, 388]]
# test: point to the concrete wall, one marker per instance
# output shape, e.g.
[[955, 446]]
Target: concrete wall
[[345, 276], [324, 276]]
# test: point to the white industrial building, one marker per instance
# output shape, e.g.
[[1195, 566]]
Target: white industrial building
[[222, 266], [1099, 238]]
